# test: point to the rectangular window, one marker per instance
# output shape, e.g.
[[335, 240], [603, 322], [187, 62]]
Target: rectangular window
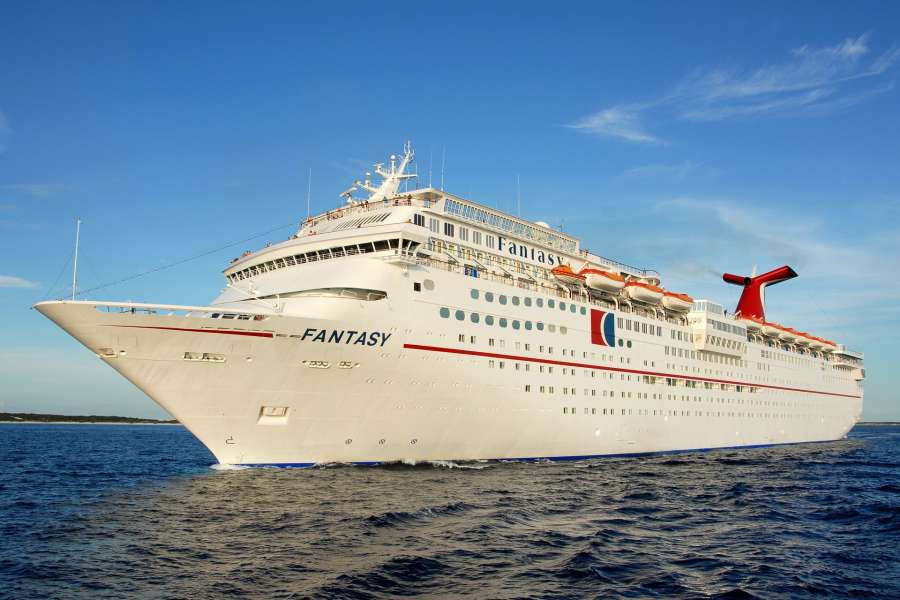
[[419, 220], [476, 237], [448, 229], [434, 225], [464, 234]]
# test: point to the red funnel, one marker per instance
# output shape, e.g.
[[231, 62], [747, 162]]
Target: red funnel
[[752, 302]]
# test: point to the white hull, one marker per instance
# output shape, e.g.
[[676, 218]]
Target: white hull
[[421, 326], [424, 395]]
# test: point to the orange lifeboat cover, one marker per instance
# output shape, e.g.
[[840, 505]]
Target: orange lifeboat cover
[[645, 285], [608, 274], [684, 297]]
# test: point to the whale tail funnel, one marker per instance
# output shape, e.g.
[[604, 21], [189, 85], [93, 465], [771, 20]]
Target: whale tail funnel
[[753, 299]]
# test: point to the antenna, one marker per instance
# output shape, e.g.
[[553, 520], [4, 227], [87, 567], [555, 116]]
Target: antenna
[[430, 153], [308, 192], [443, 158], [75, 267]]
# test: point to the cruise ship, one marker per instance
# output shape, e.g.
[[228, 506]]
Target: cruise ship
[[416, 325]]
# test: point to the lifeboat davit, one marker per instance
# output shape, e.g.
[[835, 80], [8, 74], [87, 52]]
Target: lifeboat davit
[[643, 292], [803, 338], [565, 275], [771, 329], [829, 346], [816, 342], [677, 302], [604, 281]]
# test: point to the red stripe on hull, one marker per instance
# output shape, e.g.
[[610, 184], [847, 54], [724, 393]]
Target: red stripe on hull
[[222, 331], [563, 363]]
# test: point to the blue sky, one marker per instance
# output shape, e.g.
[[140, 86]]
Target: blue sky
[[693, 138]]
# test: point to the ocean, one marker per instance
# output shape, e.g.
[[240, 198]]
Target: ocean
[[113, 511]]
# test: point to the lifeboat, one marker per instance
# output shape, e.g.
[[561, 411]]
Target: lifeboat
[[786, 334], [771, 329], [604, 281], [643, 292], [829, 346], [677, 302], [816, 342], [803, 338], [565, 275], [753, 325]]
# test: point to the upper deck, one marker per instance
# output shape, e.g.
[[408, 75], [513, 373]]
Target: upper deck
[[442, 230]]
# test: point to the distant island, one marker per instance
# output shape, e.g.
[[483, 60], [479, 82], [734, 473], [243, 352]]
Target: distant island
[[40, 418]]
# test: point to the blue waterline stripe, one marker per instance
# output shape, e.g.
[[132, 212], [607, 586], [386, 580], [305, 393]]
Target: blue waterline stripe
[[534, 459]]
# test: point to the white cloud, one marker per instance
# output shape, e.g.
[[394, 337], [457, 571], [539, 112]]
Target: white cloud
[[8, 281], [619, 121], [810, 82], [37, 190]]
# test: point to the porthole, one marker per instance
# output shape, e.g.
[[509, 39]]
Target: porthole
[[502, 322], [474, 294], [474, 317], [620, 343], [502, 299], [583, 310], [573, 308], [551, 303], [515, 324], [445, 313], [429, 284], [515, 300], [527, 301], [488, 320], [528, 325], [540, 326], [563, 330], [628, 343], [540, 302], [562, 306], [460, 315], [489, 296], [551, 328]]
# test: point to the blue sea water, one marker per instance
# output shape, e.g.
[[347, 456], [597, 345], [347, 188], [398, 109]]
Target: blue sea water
[[137, 511]]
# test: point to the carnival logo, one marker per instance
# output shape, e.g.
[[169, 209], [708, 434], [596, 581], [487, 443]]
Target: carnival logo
[[603, 328]]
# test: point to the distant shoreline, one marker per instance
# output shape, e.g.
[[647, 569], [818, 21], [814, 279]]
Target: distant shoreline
[[45, 419], [87, 423]]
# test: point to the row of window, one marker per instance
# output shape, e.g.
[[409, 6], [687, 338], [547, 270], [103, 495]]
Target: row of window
[[518, 228], [637, 327], [527, 301], [646, 379], [728, 327], [323, 254], [460, 315], [571, 410]]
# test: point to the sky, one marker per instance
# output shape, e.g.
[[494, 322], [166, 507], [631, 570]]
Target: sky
[[691, 138]]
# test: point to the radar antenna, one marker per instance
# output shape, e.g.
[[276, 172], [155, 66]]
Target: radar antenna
[[391, 178]]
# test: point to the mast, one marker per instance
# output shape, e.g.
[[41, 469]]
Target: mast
[[308, 192], [75, 267]]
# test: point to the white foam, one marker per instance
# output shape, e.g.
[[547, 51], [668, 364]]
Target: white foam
[[221, 467]]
